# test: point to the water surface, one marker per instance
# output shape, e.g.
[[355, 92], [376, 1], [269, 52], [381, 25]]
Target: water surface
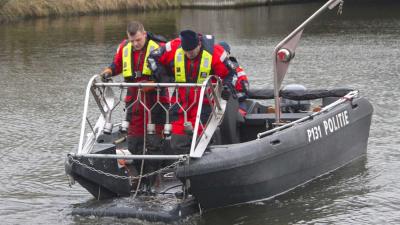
[[45, 64]]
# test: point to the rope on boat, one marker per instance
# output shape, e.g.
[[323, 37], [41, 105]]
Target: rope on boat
[[171, 166], [144, 147]]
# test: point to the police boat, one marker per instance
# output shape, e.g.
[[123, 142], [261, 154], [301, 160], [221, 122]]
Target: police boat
[[282, 138]]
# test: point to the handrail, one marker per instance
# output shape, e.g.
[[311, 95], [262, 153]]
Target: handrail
[[150, 84], [85, 110], [349, 96], [207, 87], [198, 152], [116, 156]]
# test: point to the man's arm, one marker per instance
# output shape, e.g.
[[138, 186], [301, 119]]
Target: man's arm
[[115, 67], [154, 60], [223, 67], [242, 85], [161, 61]]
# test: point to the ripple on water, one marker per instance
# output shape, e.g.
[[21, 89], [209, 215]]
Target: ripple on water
[[43, 75]]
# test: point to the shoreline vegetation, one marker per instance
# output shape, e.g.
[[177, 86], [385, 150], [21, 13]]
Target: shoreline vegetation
[[14, 10]]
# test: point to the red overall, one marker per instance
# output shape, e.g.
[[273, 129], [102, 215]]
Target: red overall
[[136, 114], [187, 96], [241, 79]]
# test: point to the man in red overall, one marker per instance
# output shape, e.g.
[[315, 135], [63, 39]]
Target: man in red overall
[[131, 60], [241, 82], [191, 58]]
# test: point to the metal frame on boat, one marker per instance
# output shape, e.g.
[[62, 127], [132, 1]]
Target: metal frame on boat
[[106, 103]]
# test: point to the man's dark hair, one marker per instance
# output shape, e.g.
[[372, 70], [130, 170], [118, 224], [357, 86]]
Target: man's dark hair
[[133, 27]]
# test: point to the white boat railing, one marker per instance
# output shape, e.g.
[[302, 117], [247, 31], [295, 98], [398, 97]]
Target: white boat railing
[[107, 102], [347, 97]]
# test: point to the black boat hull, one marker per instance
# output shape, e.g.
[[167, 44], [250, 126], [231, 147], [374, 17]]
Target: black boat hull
[[100, 185], [272, 165]]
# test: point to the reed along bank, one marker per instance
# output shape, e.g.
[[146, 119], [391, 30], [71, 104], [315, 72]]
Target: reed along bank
[[12, 10]]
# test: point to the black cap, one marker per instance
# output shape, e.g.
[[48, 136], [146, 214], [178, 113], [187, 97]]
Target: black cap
[[225, 46], [189, 40]]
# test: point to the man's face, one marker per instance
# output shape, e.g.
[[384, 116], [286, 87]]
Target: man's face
[[193, 53], [138, 40]]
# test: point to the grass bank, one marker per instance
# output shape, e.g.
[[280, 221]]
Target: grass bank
[[12, 10]]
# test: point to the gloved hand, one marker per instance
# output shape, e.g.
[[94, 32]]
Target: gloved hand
[[106, 74], [244, 93], [245, 86]]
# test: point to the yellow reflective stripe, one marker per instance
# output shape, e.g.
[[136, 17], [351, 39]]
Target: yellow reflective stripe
[[180, 70], [150, 47], [179, 62], [168, 46], [205, 67], [127, 60], [223, 56]]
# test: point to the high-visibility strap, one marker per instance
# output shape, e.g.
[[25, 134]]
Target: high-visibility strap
[[168, 46], [180, 69], [127, 60], [152, 45], [205, 67], [223, 56], [127, 71], [179, 62]]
